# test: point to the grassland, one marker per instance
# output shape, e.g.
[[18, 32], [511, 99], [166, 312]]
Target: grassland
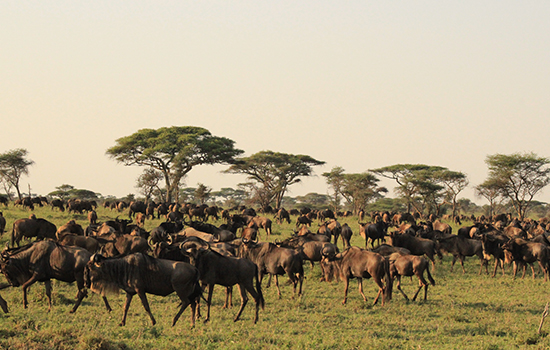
[[463, 311]]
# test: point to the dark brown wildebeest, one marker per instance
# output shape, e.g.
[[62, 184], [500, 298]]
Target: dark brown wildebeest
[[121, 245], [359, 263], [492, 245], [326, 214], [136, 207], [215, 268], [387, 250], [141, 274], [311, 249], [461, 247], [523, 252], [282, 215], [260, 222], [4, 200], [303, 220], [57, 203], [374, 232], [335, 229], [275, 261], [443, 227], [39, 228], [417, 246], [411, 265], [70, 239], [42, 261], [211, 211], [346, 233], [70, 227]]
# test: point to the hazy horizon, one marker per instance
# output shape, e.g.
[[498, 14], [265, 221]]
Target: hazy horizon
[[359, 85]]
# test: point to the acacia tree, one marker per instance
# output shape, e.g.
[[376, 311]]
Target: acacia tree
[[361, 189], [489, 190], [519, 177], [173, 151], [14, 164], [202, 193], [414, 180], [148, 182], [453, 183], [335, 180], [274, 172]]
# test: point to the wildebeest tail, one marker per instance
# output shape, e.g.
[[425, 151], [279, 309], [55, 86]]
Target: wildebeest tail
[[388, 280], [197, 290], [12, 240], [430, 278]]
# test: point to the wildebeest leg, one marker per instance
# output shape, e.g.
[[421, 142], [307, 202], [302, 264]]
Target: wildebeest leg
[[82, 293], [421, 283], [107, 306], [277, 285], [453, 262], [533, 270], [228, 297], [461, 258], [496, 267], [209, 301], [3, 305], [244, 301], [346, 287], [360, 283], [145, 303], [126, 307], [378, 281], [184, 303], [25, 286], [48, 285], [398, 277]]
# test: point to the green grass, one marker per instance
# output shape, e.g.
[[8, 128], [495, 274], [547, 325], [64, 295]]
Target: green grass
[[463, 311]]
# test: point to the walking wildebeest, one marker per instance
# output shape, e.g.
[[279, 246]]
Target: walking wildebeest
[[524, 252], [40, 262], [417, 246], [359, 263], [226, 271], [39, 228], [141, 274], [411, 265], [275, 261]]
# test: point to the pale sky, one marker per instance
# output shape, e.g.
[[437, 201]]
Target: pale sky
[[357, 84]]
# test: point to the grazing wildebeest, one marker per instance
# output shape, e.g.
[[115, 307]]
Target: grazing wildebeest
[[57, 203], [461, 247], [303, 220], [40, 262], [417, 246], [39, 228], [411, 265], [141, 274], [311, 250], [524, 252], [215, 268], [275, 261], [359, 263], [260, 222], [282, 215], [136, 207]]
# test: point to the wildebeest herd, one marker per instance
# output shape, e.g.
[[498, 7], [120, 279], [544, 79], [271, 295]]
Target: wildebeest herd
[[189, 256]]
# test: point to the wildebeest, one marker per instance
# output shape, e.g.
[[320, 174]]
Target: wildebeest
[[410, 265], [141, 274], [492, 245], [311, 250], [39, 228], [461, 247], [374, 232], [57, 203], [136, 207], [417, 246], [282, 215], [359, 263], [261, 222], [346, 234], [120, 245], [226, 271], [42, 261], [275, 261], [524, 252]]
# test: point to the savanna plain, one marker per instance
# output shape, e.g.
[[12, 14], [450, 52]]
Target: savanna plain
[[463, 311]]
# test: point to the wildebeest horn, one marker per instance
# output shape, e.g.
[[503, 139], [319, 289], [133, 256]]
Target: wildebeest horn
[[97, 258]]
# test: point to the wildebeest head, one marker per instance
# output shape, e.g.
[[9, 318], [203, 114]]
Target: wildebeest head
[[97, 278], [194, 247]]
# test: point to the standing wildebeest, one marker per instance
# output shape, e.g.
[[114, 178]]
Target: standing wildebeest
[[140, 274], [374, 232], [137, 207], [261, 222], [359, 263], [311, 249], [42, 261], [39, 228], [92, 217], [120, 245], [58, 203], [460, 248], [226, 271], [346, 233], [417, 246], [411, 265], [492, 245], [524, 252], [275, 261]]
